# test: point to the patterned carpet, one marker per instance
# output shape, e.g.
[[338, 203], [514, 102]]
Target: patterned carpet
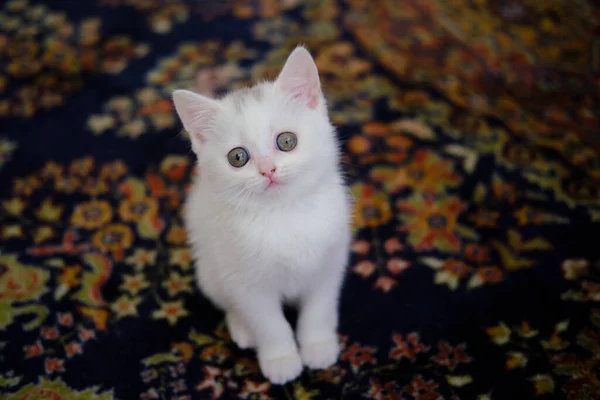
[[470, 129]]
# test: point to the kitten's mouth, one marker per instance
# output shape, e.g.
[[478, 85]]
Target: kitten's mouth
[[272, 183]]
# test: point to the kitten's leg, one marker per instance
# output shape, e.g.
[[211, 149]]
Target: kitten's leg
[[238, 330], [318, 319], [277, 351]]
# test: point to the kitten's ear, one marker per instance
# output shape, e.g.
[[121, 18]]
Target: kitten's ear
[[196, 112], [299, 78]]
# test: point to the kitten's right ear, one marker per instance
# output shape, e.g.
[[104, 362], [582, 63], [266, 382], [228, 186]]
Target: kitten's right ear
[[197, 113]]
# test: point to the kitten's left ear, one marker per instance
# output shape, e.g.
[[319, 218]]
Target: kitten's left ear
[[197, 113], [299, 78]]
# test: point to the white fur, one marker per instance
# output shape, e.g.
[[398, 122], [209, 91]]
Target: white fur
[[257, 247]]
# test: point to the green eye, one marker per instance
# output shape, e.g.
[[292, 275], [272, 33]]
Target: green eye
[[238, 157], [286, 141]]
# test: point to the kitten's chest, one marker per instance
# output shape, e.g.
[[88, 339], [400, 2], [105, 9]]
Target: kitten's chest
[[294, 238]]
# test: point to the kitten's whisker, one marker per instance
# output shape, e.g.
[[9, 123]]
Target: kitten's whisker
[[237, 200], [226, 195], [352, 165], [246, 191]]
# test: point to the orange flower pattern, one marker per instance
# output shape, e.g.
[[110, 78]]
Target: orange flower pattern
[[469, 144], [47, 56]]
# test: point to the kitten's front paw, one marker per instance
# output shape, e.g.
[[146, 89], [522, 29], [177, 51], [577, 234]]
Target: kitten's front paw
[[321, 354], [281, 369], [238, 331]]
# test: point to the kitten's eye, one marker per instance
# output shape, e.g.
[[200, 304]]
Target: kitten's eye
[[238, 157], [286, 141]]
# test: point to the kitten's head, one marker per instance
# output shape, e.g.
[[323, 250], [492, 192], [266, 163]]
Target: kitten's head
[[265, 143]]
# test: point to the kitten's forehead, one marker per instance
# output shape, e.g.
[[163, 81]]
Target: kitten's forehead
[[253, 113], [242, 98]]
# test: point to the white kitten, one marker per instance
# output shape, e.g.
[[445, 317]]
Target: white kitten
[[268, 215]]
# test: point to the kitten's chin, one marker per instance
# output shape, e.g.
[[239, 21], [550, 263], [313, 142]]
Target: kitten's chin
[[272, 186], [277, 191]]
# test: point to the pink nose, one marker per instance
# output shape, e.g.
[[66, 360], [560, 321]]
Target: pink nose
[[266, 167]]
